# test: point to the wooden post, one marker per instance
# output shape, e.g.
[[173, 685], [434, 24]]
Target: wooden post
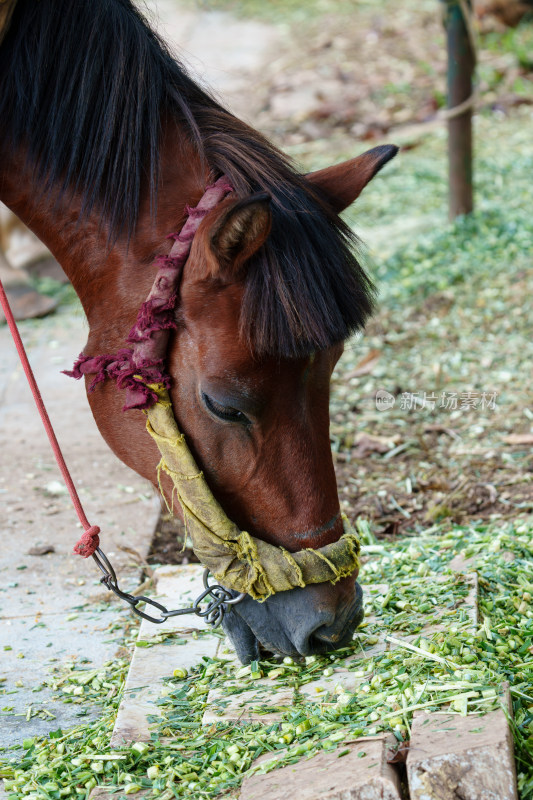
[[461, 63]]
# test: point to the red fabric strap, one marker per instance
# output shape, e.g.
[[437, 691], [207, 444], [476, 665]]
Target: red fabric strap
[[144, 362]]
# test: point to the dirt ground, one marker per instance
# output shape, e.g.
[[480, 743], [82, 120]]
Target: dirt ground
[[369, 68]]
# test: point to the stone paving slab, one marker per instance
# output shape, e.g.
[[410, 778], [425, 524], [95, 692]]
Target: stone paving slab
[[176, 587], [361, 774], [453, 756]]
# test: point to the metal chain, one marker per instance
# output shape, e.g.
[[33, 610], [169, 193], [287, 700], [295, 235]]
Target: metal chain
[[220, 603]]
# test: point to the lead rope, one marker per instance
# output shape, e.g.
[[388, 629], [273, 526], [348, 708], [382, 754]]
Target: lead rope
[[89, 541], [88, 544]]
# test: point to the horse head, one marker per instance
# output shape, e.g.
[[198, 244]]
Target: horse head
[[259, 424]]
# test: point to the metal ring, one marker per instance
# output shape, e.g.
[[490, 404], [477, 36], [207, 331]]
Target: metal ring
[[234, 600], [104, 564], [231, 601]]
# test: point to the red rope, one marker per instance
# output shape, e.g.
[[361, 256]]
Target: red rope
[[89, 541]]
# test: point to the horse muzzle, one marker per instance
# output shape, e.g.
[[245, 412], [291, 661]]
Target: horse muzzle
[[317, 619]]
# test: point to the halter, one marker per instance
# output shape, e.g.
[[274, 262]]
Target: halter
[[237, 559]]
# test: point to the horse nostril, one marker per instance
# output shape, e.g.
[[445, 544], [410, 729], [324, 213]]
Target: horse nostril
[[327, 637]]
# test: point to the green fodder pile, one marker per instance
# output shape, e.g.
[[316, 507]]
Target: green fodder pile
[[355, 692]]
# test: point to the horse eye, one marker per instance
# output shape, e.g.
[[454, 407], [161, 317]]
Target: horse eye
[[225, 413]]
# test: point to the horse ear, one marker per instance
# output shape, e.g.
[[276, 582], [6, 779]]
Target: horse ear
[[240, 231], [343, 183]]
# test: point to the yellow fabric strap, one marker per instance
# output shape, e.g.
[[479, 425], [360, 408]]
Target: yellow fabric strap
[[238, 560]]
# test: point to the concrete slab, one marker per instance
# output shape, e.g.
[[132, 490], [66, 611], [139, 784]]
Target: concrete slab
[[259, 704], [145, 681], [317, 691], [362, 773], [30, 707], [451, 756], [176, 587]]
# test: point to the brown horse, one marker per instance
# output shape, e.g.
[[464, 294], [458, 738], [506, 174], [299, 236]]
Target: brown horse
[[104, 140]]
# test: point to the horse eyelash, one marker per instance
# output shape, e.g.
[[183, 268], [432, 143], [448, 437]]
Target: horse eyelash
[[224, 412]]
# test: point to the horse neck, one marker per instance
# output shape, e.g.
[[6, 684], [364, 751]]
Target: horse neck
[[111, 281]]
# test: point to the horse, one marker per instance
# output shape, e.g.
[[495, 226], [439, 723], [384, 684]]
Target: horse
[[105, 142]]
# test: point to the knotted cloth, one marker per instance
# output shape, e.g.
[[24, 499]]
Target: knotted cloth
[[238, 560]]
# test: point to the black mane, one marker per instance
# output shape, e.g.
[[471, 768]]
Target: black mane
[[84, 85]]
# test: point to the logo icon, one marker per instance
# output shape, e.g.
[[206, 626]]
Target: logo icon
[[384, 400]]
